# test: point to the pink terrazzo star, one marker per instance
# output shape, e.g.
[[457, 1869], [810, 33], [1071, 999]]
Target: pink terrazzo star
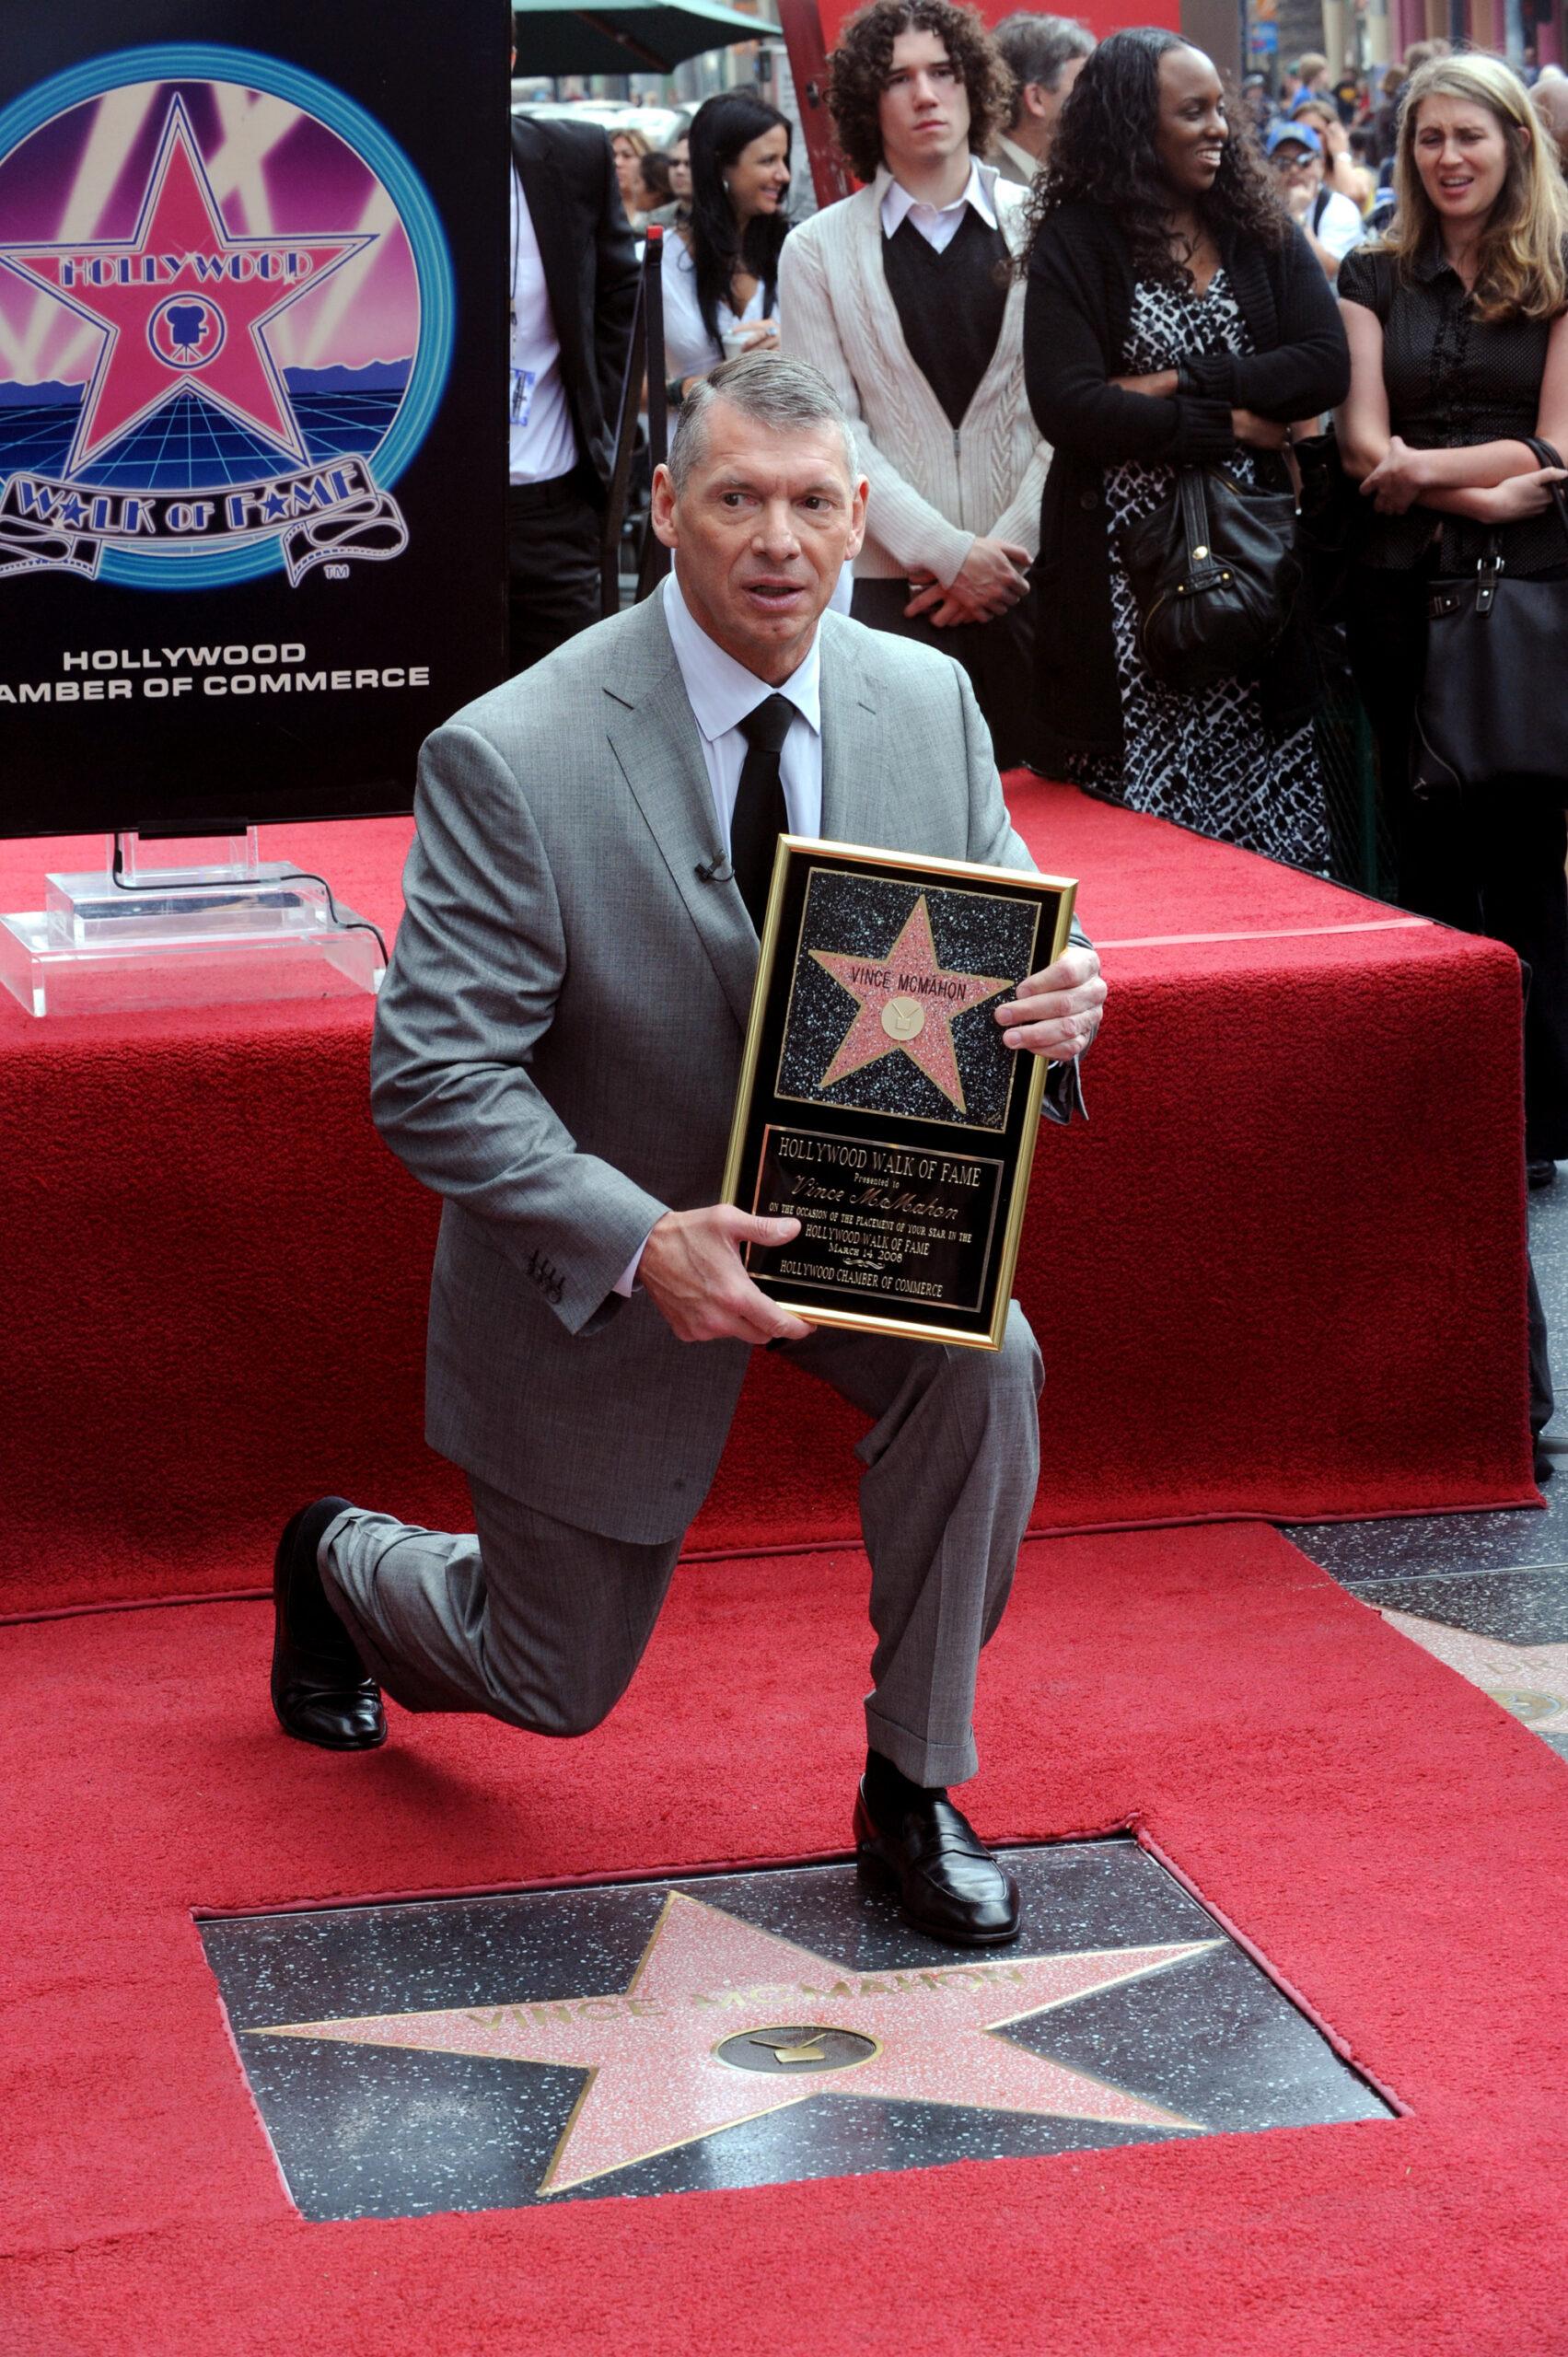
[[184, 305], [907, 1000], [708, 1984]]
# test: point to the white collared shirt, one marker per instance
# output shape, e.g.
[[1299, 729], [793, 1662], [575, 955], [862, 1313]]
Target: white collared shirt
[[938, 225], [722, 692]]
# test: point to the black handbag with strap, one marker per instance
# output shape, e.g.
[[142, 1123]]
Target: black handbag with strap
[[1215, 573], [1490, 702]]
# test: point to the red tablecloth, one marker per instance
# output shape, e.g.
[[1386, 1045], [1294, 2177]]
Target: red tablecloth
[[1279, 1272]]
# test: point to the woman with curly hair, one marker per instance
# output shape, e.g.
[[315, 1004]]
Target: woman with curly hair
[[905, 296], [1459, 340], [720, 269], [1176, 317]]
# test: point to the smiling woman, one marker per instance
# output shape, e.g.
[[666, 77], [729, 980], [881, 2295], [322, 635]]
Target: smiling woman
[[1176, 318], [720, 270]]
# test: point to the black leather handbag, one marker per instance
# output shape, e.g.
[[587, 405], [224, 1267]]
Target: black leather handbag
[[1215, 573], [1492, 703]]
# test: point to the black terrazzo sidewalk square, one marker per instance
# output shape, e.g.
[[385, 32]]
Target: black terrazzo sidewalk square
[[639, 2039]]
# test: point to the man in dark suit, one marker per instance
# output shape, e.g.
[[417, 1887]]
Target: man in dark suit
[[573, 290]]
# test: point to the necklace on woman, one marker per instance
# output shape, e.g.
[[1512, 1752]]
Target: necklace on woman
[[1192, 246]]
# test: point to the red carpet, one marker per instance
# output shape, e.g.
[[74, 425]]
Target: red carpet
[[1281, 1272], [1294, 1757]]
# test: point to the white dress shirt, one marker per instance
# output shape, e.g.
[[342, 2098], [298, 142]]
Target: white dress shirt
[[938, 225], [721, 694], [543, 442]]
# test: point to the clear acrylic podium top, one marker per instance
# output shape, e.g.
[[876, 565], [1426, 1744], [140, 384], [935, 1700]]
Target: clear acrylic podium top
[[197, 921]]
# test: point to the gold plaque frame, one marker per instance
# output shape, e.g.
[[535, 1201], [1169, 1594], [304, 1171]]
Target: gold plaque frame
[[843, 1269]]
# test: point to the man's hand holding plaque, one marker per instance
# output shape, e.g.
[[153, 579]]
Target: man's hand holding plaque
[[691, 1267], [1056, 1013]]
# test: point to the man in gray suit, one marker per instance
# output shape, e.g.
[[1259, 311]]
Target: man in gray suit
[[556, 1054]]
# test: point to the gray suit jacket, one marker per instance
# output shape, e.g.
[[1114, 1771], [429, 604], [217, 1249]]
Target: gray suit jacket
[[1010, 172], [558, 1040]]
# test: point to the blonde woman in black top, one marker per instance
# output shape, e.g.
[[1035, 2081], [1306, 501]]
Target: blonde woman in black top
[[1458, 337]]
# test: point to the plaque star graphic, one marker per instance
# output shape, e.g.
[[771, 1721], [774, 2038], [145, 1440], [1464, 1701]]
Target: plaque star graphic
[[182, 303], [722, 2022], [906, 1000]]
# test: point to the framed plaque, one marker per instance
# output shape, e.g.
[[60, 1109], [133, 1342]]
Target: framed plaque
[[879, 1104]]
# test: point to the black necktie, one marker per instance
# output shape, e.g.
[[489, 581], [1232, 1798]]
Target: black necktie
[[760, 815]]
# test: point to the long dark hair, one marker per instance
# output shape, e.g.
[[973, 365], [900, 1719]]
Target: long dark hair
[[1104, 151], [720, 129]]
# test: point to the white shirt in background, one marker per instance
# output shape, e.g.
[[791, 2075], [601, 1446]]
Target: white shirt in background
[[543, 442], [1341, 226], [689, 348]]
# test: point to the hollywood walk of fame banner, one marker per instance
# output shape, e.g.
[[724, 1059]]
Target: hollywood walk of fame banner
[[252, 453], [878, 1103]]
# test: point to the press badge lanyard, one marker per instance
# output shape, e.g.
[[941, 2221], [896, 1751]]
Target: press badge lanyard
[[522, 378]]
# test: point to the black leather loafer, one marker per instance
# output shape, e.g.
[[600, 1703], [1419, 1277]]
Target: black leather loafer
[[320, 1691], [948, 1883]]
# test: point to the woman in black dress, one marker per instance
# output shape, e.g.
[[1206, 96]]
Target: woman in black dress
[[1458, 334], [1175, 317]]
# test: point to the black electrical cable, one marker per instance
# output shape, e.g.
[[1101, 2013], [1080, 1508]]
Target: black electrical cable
[[289, 876]]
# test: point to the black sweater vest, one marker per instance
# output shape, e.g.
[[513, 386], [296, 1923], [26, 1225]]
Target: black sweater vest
[[949, 304]]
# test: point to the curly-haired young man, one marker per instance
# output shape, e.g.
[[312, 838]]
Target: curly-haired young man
[[905, 296]]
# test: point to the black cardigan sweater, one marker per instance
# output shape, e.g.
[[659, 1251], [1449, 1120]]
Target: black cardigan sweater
[[1079, 302]]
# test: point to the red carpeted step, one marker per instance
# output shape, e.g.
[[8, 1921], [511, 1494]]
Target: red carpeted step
[[1380, 1831], [1281, 1272]]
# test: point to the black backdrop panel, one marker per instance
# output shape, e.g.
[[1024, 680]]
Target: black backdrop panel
[[252, 372]]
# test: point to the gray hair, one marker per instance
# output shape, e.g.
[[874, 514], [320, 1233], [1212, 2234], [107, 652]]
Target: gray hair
[[788, 395], [1035, 49]]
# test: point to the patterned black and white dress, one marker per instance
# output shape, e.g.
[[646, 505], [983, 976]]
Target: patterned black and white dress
[[1205, 759]]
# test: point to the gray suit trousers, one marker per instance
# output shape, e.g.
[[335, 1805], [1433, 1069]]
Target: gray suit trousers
[[543, 1624]]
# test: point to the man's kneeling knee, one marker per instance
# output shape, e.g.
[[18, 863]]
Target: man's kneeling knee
[[561, 1714]]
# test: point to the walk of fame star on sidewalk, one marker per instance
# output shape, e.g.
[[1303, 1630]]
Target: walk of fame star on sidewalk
[[722, 2022], [906, 1000], [208, 295]]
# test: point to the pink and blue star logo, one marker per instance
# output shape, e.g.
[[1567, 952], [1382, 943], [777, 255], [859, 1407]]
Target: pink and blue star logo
[[182, 299], [226, 320]]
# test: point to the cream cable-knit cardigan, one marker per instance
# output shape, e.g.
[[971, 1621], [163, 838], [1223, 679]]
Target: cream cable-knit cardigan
[[933, 488]]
